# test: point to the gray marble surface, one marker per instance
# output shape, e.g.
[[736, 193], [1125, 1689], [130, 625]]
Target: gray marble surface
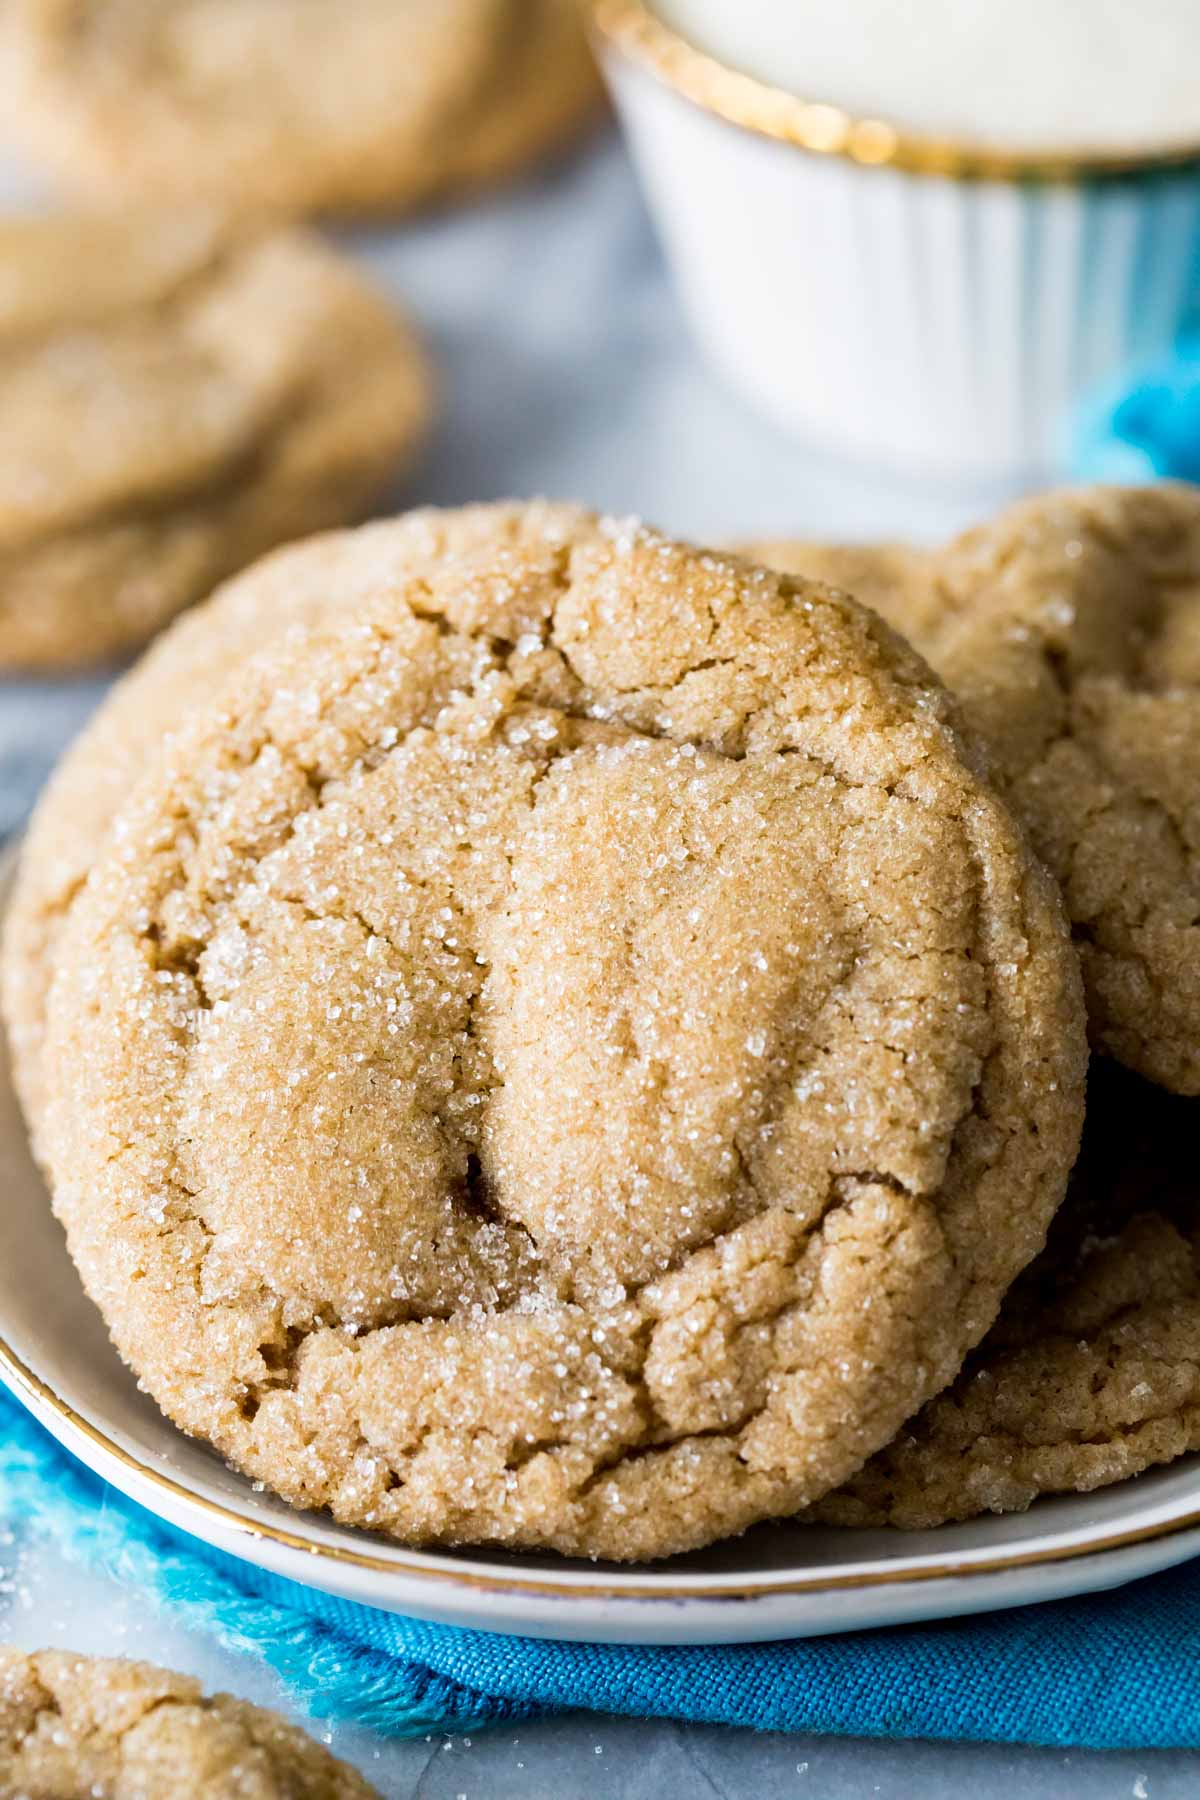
[[567, 370]]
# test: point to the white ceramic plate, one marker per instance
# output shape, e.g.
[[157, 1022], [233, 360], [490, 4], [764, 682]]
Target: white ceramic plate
[[777, 1581]]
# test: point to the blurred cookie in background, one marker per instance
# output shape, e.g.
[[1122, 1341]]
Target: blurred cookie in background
[[1069, 627], [74, 1725], [545, 90], [371, 105], [178, 393]]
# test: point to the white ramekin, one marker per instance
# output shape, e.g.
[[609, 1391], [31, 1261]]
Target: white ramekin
[[927, 306]]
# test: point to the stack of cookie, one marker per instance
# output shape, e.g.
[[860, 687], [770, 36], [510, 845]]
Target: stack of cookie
[[539, 1034], [184, 383], [542, 1035], [1070, 630]]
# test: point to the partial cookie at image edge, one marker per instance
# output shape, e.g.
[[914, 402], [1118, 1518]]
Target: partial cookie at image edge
[[71, 1725], [182, 391], [1069, 628], [490, 93]]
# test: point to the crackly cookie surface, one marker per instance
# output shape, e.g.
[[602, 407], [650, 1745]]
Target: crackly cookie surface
[[563, 1050], [177, 394], [1069, 627], [181, 669], [87, 1728], [1092, 1371], [366, 104]]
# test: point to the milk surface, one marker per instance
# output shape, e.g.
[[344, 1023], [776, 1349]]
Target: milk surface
[[1018, 74]]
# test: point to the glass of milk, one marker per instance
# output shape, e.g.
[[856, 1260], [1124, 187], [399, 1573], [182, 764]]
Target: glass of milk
[[918, 233]]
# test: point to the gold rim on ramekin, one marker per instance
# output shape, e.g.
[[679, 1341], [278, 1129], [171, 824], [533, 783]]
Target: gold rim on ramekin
[[630, 27]]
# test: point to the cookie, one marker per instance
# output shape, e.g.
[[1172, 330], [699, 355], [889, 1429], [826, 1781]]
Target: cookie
[[1091, 1374], [179, 392], [75, 1726], [525, 115], [562, 1050], [373, 104], [1069, 627]]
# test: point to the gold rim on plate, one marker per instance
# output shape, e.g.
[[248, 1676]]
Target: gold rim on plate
[[39, 1396], [633, 29]]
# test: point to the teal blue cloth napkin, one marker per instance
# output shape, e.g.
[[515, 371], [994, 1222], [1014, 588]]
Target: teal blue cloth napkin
[[1146, 426], [1117, 1670]]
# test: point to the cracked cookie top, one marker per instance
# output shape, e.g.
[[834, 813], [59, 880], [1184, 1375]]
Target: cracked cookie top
[[84, 1728], [366, 104], [1091, 1373], [178, 392], [563, 1050], [1069, 628]]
